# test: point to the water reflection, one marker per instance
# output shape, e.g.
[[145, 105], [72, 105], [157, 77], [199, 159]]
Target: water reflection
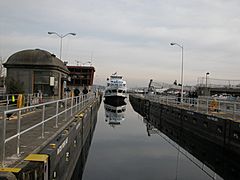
[[114, 113], [210, 158], [126, 152]]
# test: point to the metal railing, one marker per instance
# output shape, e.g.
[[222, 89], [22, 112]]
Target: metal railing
[[9, 101], [218, 83], [208, 105], [43, 114]]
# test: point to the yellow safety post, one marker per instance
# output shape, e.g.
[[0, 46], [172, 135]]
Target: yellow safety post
[[213, 105], [20, 101]]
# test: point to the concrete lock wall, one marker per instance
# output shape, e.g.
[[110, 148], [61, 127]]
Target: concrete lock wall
[[213, 141], [63, 150], [223, 132]]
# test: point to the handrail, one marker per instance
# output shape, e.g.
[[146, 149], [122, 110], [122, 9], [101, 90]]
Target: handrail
[[208, 105], [75, 103]]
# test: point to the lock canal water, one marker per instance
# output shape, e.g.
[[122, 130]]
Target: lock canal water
[[133, 148]]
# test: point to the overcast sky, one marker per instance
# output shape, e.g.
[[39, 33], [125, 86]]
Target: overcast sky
[[131, 37]]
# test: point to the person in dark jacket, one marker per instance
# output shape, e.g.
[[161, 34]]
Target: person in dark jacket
[[76, 92], [85, 91]]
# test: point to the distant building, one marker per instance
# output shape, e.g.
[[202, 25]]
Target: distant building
[[80, 76], [37, 70]]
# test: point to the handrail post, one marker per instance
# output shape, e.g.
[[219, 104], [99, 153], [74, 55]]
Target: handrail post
[[43, 117], [2, 138], [79, 102], [57, 105], [207, 105], [72, 106], [18, 132], [197, 104], [234, 110], [7, 102], [76, 104], [219, 106], [66, 109], [82, 99]]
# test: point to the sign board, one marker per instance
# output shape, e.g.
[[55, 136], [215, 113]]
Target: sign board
[[51, 81]]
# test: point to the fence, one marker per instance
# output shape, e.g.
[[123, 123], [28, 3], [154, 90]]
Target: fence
[[43, 113], [217, 83], [208, 105], [9, 101]]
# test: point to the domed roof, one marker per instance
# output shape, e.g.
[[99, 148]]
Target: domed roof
[[35, 58]]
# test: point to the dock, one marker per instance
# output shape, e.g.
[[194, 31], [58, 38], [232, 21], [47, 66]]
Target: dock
[[44, 141]]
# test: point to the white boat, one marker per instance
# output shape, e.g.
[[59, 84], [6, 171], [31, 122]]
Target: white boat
[[116, 88]]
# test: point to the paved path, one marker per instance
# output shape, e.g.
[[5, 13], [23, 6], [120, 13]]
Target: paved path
[[32, 141]]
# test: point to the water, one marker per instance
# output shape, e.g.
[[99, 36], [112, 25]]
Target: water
[[128, 151]]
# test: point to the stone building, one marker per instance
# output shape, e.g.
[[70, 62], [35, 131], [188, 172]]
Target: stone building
[[37, 71]]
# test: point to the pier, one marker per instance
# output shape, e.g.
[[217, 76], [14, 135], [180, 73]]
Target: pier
[[44, 141]]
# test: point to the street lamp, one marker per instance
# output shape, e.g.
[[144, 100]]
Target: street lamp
[[173, 44], [61, 37], [207, 73]]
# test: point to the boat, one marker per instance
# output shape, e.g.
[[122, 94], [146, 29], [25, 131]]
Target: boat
[[116, 89]]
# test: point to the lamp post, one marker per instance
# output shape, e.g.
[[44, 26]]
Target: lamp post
[[206, 89], [173, 44], [207, 73], [61, 37]]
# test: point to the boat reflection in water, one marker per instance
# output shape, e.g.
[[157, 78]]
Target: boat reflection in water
[[114, 112]]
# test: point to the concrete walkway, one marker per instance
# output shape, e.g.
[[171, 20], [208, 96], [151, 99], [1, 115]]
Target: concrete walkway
[[32, 141]]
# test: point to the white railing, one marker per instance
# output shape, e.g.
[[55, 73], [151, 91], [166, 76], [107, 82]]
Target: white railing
[[218, 83], [208, 105], [46, 112], [9, 101]]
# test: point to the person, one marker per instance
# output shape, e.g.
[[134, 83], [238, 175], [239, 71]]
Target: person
[[76, 92], [179, 97], [85, 91]]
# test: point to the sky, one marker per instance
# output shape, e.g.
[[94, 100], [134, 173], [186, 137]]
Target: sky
[[131, 37]]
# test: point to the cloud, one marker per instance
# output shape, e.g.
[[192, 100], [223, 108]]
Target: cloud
[[131, 37]]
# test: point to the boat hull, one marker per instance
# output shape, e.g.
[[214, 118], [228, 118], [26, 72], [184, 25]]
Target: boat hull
[[117, 100]]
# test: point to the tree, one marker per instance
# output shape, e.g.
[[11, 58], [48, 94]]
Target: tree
[[14, 87]]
